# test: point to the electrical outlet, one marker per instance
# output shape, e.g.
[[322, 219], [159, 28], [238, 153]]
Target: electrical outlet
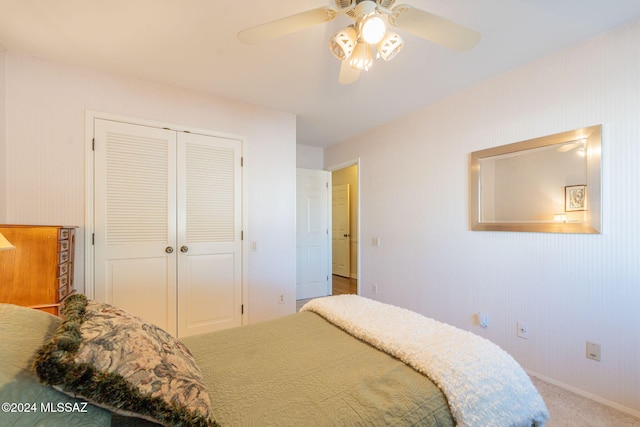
[[374, 288], [281, 299], [593, 351], [523, 330]]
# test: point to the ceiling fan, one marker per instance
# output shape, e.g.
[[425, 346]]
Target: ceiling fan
[[355, 44]]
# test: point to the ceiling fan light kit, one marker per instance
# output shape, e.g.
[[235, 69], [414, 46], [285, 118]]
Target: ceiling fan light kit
[[362, 58], [370, 23], [343, 43], [373, 29], [354, 44], [390, 46]]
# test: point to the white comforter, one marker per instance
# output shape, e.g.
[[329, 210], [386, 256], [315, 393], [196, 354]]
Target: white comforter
[[483, 384]]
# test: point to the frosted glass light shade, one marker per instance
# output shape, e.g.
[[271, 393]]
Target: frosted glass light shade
[[343, 42], [4, 243], [372, 28], [390, 46]]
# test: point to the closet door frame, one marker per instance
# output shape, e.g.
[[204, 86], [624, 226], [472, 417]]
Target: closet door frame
[[89, 254]]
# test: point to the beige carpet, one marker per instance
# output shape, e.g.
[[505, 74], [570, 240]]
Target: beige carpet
[[568, 409]]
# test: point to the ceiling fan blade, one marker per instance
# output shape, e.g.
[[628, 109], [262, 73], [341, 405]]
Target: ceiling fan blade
[[348, 74], [287, 25], [434, 28]]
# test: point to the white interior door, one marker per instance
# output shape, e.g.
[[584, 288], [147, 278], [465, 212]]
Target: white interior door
[[312, 234], [209, 234], [341, 231], [135, 217]]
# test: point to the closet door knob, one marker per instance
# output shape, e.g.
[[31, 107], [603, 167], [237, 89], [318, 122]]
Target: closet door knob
[[184, 249], [168, 249]]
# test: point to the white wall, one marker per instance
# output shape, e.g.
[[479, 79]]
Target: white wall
[[568, 288], [309, 157], [45, 157]]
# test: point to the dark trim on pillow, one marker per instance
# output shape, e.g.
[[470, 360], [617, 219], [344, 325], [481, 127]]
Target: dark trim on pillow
[[55, 366]]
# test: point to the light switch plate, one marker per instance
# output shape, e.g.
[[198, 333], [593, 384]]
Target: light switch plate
[[593, 351]]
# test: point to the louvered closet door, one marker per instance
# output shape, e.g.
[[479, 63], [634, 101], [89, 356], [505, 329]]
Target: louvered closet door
[[135, 220], [209, 231]]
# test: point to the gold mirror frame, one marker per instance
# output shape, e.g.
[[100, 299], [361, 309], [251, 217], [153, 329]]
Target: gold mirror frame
[[592, 224]]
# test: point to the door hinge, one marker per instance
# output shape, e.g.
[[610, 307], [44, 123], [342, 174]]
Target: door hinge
[[241, 234], [93, 144], [241, 161], [93, 238], [242, 309]]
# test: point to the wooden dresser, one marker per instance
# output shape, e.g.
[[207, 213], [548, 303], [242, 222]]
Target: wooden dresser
[[39, 272]]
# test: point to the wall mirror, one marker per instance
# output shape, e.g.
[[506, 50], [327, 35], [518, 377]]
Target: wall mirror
[[549, 184]]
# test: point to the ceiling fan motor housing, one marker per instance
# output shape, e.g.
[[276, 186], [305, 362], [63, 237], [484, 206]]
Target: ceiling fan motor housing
[[381, 3], [348, 7], [344, 4], [387, 4]]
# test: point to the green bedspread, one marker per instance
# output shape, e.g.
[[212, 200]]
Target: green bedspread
[[25, 401], [302, 370], [299, 370]]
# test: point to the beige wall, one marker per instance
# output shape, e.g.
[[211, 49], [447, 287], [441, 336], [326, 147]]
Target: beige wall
[[568, 288], [45, 157]]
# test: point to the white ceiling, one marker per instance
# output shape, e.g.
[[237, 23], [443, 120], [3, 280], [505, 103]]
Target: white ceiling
[[192, 44]]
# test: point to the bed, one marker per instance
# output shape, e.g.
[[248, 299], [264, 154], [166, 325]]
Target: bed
[[343, 360]]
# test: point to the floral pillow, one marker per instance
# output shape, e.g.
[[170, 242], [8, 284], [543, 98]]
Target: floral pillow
[[120, 362]]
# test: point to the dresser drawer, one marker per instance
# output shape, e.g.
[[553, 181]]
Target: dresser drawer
[[62, 293], [63, 234], [63, 246], [63, 257], [63, 281], [63, 269]]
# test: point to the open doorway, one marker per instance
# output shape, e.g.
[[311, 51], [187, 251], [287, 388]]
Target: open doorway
[[345, 214]]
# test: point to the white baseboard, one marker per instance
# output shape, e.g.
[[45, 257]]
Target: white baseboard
[[586, 394]]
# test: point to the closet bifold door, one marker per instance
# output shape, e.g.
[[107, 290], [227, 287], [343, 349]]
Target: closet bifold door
[[209, 233], [168, 218], [135, 210]]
